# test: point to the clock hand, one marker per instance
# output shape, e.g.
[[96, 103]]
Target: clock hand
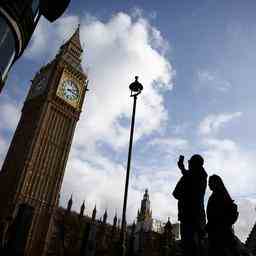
[[73, 91], [70, 90]]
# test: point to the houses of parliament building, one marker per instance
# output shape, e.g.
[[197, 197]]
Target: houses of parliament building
[[31, 222]]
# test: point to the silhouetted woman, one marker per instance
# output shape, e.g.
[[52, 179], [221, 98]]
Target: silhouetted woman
[[221, 215]]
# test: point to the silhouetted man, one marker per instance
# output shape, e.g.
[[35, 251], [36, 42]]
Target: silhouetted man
[[189, 192]]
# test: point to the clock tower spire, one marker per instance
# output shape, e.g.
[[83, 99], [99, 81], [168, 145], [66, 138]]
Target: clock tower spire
[[72, 50], [34, 167]]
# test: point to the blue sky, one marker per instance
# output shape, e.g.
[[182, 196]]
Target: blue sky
[[196, 60]]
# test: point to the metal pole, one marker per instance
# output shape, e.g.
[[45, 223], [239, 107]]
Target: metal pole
[[123, 227]]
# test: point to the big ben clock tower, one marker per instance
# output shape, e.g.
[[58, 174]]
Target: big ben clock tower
[[32, 173]]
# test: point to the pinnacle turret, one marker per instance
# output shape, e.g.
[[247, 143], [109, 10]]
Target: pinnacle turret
[[168, 226], [105, 216], [144, 215], [145, 211], [94, 213], [70, 203], [82, 210], [115, 220]]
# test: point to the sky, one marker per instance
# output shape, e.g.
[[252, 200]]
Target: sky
[[196, 61]]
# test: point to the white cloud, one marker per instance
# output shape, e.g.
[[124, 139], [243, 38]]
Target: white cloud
[[235, 165], [172, 142], [212, 80], [213, 123], [48, 37], [114, 52], [168, 148], [99, 182], [9, 114]]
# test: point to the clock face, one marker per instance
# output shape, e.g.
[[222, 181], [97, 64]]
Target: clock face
[[70, 90], [41, 84]]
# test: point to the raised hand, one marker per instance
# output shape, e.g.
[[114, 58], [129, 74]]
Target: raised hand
[[180, 163]]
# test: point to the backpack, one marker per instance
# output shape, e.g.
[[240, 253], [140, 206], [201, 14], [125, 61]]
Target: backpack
[[233, 213]]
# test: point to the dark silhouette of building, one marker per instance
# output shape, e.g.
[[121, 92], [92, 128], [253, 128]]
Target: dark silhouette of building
[[95, 236], [34, 167], [18, 20]]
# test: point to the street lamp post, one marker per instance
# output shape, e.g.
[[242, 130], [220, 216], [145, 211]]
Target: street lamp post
[[136, 88]]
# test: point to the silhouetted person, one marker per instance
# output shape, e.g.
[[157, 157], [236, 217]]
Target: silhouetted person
[[221, 215], [189, 192]]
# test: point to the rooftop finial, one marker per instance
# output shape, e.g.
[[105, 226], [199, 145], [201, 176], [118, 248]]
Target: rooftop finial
[[70, 202], [105, 216], [94, 213]]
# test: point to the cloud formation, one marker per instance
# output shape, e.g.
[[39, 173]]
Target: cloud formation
[[9, 116], [172, 142], [212, 80], [114, 52], [47, 38], [214, 122]]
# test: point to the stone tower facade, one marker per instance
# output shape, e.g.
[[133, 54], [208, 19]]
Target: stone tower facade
[[32, 173]]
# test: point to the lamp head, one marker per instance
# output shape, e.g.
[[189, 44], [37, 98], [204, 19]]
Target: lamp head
[[136, 87]]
